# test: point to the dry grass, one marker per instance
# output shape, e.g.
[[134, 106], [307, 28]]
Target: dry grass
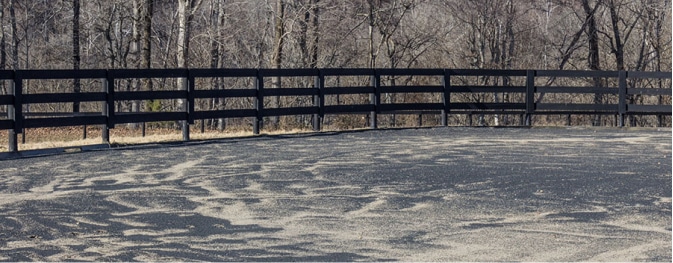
[[46, 138]]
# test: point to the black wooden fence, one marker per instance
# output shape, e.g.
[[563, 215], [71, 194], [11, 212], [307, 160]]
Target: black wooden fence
[[531, 92]]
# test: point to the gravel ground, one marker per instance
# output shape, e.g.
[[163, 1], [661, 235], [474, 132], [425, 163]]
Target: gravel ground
[[436, 194]]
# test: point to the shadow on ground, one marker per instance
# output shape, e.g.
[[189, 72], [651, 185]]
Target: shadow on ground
[[442, 194]]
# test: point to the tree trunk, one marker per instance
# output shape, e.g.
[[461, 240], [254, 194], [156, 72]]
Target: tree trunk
[[15, 37], [618, 46], [186, 10], [13, 140], [76, 59], [216, 47], [594, 55], [134, 52], [3, 47], [184, 21], [372, 22], [302, 40], [75, 50], [147, 14], [659, 16], [277, 59], [315, 24], [146, 56]]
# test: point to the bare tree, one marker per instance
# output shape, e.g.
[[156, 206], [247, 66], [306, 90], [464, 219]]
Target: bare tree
[[76, 59], [492, 38], [593, 58], [384, 19], [140, 51], [315, 36], [3, 46], [487, 34], [15, 35], [186, 9], [217, 20], [309, 35], [3, 54], [146, 56], [277, 55]]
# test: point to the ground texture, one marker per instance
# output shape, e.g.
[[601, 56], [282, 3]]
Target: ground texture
[[440, 194]]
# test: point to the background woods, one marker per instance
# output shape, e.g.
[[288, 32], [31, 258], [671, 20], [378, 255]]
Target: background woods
[[482, 34], [541, 34]]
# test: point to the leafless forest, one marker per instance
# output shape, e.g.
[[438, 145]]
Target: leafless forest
[[632, 35]]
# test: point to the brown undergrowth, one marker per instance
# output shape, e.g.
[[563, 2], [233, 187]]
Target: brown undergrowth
[[46, 138]]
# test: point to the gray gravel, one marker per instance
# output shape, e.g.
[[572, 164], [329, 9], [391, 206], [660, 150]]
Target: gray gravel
[[437, 194]]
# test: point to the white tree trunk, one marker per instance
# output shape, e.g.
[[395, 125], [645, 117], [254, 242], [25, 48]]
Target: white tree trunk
[[183, 44]]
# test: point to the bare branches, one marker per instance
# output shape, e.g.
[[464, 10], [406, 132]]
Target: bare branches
[[592, 34]]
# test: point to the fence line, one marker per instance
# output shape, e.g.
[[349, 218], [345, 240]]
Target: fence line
[[17, 119]]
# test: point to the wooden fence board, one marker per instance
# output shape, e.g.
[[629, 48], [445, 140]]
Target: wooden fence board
[[17, 119]]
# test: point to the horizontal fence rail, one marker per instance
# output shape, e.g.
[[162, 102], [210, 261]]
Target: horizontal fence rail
[[530, 91]]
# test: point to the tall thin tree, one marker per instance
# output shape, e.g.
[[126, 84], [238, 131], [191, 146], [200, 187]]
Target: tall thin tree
[[15, 35], [3, 46], [146, 52], [593, 60], [217, 19], [76, 59], [277, 58], [186, 9]]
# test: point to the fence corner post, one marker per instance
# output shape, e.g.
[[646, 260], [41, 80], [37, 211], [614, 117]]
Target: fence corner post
[[622, 97]]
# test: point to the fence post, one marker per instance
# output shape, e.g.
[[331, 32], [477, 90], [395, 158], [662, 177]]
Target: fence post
[[622, 97], [446, 99], [191, 86], [111, 120], [18, 110], [319, 101], [105, 129], [530, 96], [375, 99], [189, 106], [259, 103], [15, 113]]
